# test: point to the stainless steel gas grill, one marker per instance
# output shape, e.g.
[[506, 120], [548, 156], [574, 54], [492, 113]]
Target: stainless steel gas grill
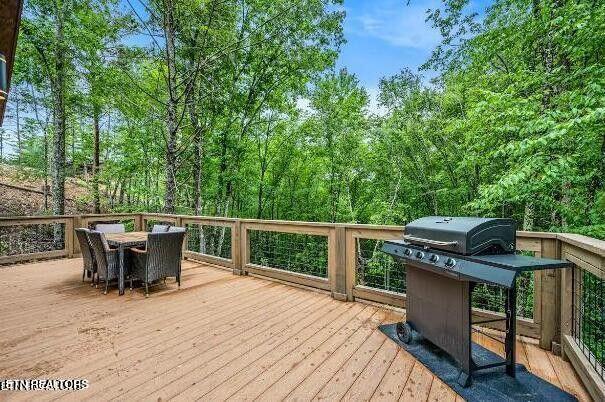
[[445, 258]]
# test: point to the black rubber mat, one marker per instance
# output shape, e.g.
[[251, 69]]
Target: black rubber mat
[[488, 385]]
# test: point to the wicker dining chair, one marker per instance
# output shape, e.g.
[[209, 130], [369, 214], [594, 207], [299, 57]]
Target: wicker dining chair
[[161, 259], [89, 263], [108, 262], [160, 228], [110, 228]]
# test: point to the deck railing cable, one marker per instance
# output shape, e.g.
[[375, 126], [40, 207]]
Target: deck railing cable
[[376, 269], [492, 298], [294, 252], [29, 239], [588, 317], [209, 240]]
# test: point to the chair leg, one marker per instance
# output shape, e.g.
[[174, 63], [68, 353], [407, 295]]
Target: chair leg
[[178, 280], [106, 286], [83, 274], [92, 281], [146, 290], [131, 284]]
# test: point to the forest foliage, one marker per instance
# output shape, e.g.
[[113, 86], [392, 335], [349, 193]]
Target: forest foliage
[[235, 108]]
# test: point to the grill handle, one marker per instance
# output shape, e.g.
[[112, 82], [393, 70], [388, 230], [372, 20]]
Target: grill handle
[[429, 241]]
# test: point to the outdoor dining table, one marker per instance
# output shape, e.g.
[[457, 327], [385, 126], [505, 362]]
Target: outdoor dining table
[[123, 241]]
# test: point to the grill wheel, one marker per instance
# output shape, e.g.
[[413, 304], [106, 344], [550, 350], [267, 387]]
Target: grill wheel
[[404, 332]]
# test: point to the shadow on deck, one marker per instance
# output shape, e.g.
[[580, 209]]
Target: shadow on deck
[[219, 337]]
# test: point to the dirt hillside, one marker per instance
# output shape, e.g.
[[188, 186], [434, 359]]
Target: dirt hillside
[[22, 193]]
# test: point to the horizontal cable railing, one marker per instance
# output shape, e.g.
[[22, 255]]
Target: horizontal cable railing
[[378, 270], [292, 252], [31, 238], [210, 240], [492, 298], [588, 315]]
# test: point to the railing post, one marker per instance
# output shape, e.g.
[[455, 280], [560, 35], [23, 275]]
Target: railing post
[[566, 300], [69, 237], [549, 300], [244, 247], [236, 248], [337, 262], [178, 221], [77, 223], [350, 264], [138, 223]]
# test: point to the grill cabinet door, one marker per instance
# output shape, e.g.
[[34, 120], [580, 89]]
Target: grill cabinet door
[[439, 308]]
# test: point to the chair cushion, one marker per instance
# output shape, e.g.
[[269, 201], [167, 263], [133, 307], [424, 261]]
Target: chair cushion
[[160, 228], [110, 228]]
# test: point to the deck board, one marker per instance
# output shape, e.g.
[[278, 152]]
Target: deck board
[[219, 337]]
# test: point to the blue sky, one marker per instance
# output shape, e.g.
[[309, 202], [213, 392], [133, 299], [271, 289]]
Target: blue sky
[[384, 36]]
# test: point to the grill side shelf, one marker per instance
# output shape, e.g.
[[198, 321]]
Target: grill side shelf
[[519, 263]]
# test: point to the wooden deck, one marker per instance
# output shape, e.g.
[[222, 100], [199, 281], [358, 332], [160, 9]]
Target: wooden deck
[[219, 337]]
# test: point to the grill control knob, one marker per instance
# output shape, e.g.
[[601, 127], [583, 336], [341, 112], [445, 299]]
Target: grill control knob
[[434, 258], [407, 251], [420, 255], [450, 262]]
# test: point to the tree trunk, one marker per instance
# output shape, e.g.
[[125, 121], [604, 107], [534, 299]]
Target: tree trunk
[[528, 217], [112, 198], [95, 163], [261, 189], [18, 127], [198, 140], [45, 171], [171, 124], [58, 154], [121, 195]]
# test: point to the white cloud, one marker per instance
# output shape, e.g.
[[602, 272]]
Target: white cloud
[[373, 107], [396, 23], [304, 105]]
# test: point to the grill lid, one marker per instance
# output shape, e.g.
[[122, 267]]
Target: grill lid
[[463, 235]]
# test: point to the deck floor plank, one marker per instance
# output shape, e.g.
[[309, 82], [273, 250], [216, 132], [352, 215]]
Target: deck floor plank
[[365, 385], [181, 342], [540, 364], [418, 385], [288, 372], [392, 383], [314, 382], [570, 381], [274, 357], [185, 369], [441, 392], [220, 336], [340, 383]]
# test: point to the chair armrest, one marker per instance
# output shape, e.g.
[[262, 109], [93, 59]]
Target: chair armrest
[[138, 251]]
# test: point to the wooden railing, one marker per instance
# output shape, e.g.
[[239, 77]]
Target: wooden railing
[[334, 255], [53, 248]]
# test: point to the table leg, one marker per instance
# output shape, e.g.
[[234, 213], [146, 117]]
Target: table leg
[[121, 273]]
